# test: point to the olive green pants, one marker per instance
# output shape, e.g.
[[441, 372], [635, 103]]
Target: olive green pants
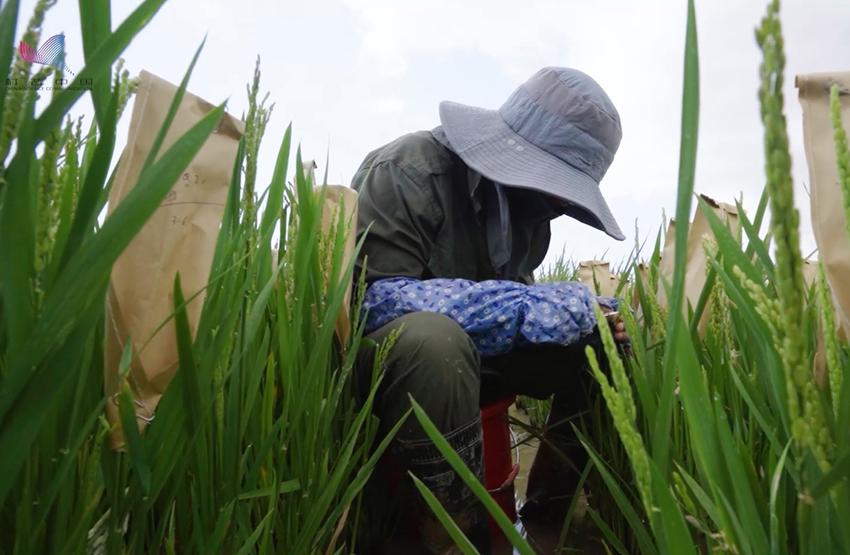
[[437, 363]]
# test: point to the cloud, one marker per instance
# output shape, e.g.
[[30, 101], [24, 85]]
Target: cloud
[[636, 52], [352, 75], [392, 32], [390, 105], [211, 10]]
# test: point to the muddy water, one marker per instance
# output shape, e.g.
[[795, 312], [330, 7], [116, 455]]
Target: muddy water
[[527, 450]]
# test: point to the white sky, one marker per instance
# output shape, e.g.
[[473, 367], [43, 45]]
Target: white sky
[[352, 75]]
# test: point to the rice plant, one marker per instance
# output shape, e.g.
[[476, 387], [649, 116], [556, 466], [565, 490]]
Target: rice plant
[[727, 443], [699, 444], [257, 445]]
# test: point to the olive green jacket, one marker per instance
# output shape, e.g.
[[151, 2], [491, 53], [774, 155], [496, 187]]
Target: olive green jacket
[[427, 211]]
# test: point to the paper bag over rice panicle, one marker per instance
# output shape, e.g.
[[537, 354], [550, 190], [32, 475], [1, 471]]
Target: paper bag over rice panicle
[[600, 271], [179, 237], [666, 262], [829, 221], [696, 262]]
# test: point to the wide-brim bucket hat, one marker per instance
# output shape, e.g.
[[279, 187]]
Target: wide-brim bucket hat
[[556, 134]]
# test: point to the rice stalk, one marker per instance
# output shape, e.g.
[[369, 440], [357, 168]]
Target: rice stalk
[[841, 150], [620, 403], [827, 313], [809, 426]]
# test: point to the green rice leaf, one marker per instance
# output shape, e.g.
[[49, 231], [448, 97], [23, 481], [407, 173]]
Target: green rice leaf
[[32, 405], [471, 481], [8, 24], [647, 546], [687, 170], [756, 244], [277, 185], [248, 547], [728, 246], [839, 472], [283, 487], [698, 406], [451, 527], [677, 537], [608, 533], [63, 475], [64, 228], [734, 532], [132, 436], [17, 246], [193, 397], [95, 23], [818, 532], [365, 471], [778, 539], [745, 499], [218, 536], [87, 205], [704, 500]]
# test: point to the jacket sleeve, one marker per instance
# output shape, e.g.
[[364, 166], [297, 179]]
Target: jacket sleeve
[[404, 217], [497, 315]]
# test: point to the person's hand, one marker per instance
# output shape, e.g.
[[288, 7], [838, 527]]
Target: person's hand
[[619, 329]]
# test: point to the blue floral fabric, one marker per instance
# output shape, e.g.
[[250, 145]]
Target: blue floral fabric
[[497, 315]]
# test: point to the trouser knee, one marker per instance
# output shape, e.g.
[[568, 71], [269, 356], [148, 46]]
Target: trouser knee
[[434, 361]]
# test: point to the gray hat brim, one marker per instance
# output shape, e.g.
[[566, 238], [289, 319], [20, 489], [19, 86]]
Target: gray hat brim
[[488, 145]]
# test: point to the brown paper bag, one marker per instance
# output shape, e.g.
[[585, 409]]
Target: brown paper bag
[[642, 272], [827, 201], [179, 237], [810, 272], [666, 262], [695, 275], [696, 263], [608, 283]]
